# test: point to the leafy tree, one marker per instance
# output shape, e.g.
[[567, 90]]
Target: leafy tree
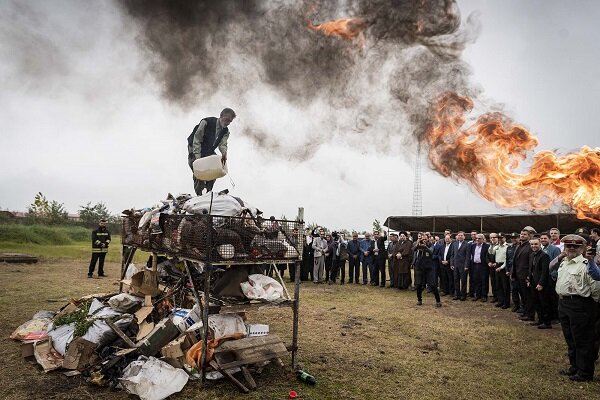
[[57, 214], [40, 208], [91, 214]]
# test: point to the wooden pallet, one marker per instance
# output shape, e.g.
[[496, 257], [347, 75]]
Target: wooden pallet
[[17, 258], [244, 352]]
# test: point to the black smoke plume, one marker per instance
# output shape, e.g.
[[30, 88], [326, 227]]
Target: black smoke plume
[[411, 54]]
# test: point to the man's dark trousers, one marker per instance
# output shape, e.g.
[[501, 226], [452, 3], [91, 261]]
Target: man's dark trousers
[[353, 269], [100, 258], [577, 322]]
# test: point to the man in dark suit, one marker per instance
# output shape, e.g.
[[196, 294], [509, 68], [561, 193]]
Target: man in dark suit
[[538, 283], [477, 262], [521, 273], [353, 259], [379, 257], [438, 247], [457, 265]]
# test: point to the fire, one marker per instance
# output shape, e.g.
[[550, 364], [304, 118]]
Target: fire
[[345, 28], [489, 153]]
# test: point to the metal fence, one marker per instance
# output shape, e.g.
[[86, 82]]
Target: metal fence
[[210, 238]]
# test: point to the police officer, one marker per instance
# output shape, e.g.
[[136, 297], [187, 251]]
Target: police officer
[[100, 242], [577, 293]]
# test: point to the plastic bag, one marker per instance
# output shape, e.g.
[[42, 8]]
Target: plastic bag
[[260, 286], [131, 270], [31, 326], [125, 302], [61, 337], [152, 379]]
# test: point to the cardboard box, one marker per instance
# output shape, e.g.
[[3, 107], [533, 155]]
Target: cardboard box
[[162, 334], [81, 353], [257, 330], [46, 356], [27, 349], [184, 318], [139, 284], [174, 349]]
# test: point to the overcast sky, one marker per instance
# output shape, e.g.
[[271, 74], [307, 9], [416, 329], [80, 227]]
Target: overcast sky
[[81, 123]]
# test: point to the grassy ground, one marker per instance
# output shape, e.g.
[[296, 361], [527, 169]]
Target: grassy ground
[[360, 342]]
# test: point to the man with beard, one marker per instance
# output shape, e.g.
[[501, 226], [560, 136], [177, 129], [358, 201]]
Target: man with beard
[[307, 257], [100, 242], [577, 295], [424, 273], [538, 282], [404, 257], [393, 265], [354, 259], [379, 256]]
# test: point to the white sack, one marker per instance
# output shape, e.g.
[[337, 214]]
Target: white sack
[[153, 379], [260, 286], [226, 325], [222, 204], [61, 337]]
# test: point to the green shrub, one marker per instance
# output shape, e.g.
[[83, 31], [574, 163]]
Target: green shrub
[[41, 234]]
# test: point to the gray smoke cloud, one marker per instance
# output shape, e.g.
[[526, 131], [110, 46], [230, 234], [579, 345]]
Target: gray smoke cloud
[[381, 85]]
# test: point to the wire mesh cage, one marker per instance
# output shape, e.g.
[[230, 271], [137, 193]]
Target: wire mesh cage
[[216, 238]]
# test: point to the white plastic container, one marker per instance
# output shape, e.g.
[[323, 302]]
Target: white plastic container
[[209, 168]]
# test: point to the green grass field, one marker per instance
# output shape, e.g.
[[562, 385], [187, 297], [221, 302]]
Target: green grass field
[[361, 342]]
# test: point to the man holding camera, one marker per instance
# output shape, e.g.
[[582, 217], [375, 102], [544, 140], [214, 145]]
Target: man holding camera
[[424, 273]]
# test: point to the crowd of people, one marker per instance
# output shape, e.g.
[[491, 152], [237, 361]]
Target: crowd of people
[[543, 278]]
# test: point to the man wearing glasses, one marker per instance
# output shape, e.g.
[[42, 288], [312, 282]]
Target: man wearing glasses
[[578, 292]]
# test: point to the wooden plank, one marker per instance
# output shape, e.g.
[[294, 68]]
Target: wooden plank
[[248, 342], [238, 354], [248, 377], [120, 333], [231, 378]]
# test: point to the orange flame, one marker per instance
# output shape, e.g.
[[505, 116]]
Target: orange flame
[[345, 28], [488, 153]]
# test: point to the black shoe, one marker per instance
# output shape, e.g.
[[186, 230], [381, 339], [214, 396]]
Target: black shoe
[[535, 323], [504, 307], [438, 304], [102, 275], [484, 300], [456, 298], [90, 276], [515, 309], [544, 326], [475, 299], [568, 372], [463, 298], [526, 319], [342, 282], [498, 305], [494, 300], [419, 303], [579, 378]]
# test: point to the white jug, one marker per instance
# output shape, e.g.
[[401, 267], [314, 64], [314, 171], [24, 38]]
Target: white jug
[[209, 168]]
